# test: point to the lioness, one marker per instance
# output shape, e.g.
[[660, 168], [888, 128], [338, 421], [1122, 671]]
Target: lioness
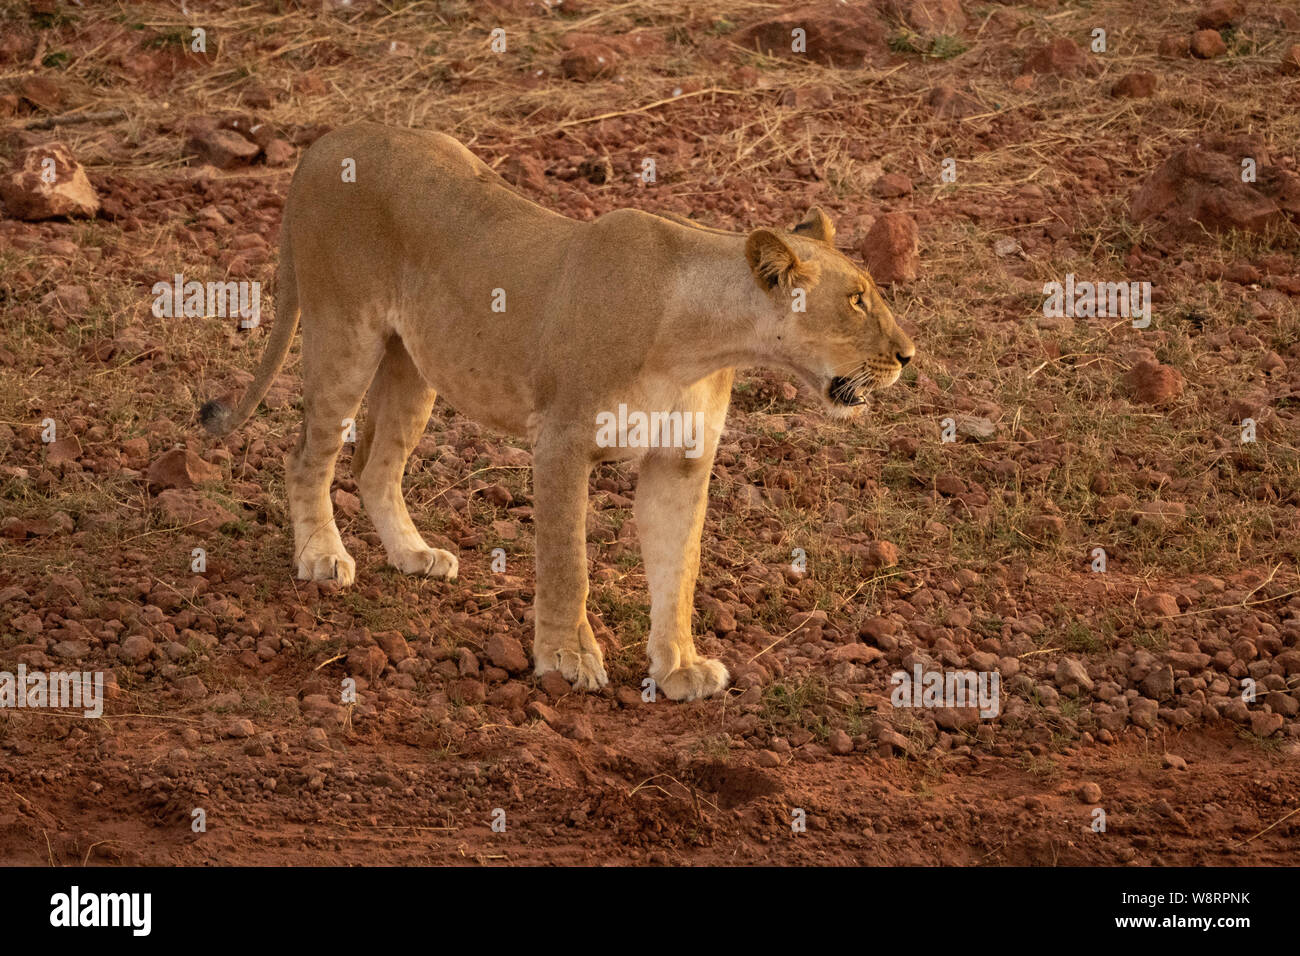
[[428, 269]]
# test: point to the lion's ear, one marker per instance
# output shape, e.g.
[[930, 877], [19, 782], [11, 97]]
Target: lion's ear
[[816, 225], [774, 263]]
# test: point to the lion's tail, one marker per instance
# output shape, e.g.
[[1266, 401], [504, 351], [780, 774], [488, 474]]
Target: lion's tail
[[220, 419]]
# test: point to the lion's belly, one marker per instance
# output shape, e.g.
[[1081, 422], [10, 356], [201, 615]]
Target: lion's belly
[[489, 386]]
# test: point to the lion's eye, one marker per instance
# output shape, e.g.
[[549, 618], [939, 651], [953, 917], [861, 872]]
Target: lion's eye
[[857, 300]]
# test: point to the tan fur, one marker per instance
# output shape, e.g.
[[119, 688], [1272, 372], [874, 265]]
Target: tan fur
[[395, 275]]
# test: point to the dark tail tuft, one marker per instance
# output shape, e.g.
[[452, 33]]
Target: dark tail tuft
[[215, 417]]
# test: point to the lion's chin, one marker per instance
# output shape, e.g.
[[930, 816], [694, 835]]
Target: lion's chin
[[845, 412]]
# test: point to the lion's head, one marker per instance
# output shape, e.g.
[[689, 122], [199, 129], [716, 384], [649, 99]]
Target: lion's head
[[827, 322]]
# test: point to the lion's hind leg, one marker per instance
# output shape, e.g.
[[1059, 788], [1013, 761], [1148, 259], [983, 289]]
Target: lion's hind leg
[[335, 375], [399, 405]]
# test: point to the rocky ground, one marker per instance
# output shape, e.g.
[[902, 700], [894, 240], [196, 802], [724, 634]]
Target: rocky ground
[[969, 153]]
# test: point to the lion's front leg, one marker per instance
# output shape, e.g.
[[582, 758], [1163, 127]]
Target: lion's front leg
[[563, 639], [671, 498]]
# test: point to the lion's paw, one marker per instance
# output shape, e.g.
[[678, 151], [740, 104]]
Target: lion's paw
[[430, 562], [328, 566], [704, 678], [584, 669]]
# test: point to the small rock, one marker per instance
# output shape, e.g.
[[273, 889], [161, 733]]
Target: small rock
[[222, 148], [1263, 724], [1159, 684], [27, 195], [1220, 14], [279, 152], [1152, 383], [1144, 713], [589, 61], [506, 652], [190, 510], [1062, 57], [891, 249], [1159, 605], [1290, 63], [1089, 792], [1137, 85], [181, 468], [135, 649], [240, 728], [1207, 44], [393, 645], [892, 186], [1071, 673], [880, 554]]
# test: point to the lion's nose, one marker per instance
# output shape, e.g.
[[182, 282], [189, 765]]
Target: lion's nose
[[903, 359]]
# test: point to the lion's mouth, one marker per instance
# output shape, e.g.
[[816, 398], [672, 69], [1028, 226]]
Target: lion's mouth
[[846, 392]]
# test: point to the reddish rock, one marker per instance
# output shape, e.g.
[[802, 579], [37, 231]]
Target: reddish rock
[[554, 685], [1158, 605], [506, 652], [1200, 186], [346, 502], [279, 152], [1138, 85], [1152, 383], [180, 468], [1290, 64], [589, 62], [1173, 46], [190, 510], [956, 719], [950, 485], [1264, 724], [808, 97], [1207, 44], [368, 661], [394, 645], [27, 194], [135, 649], [64, 450], [892, 249], [724, 622], [1062, 57], [835, 35], [880, 554], [1046, 526], [1159, 515], [44, 92], [512, 695], [891, 186], [1216, 16], [222, 148], [468, 691], [541, 711], [855, 653], [71, 300], [934, 17]]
